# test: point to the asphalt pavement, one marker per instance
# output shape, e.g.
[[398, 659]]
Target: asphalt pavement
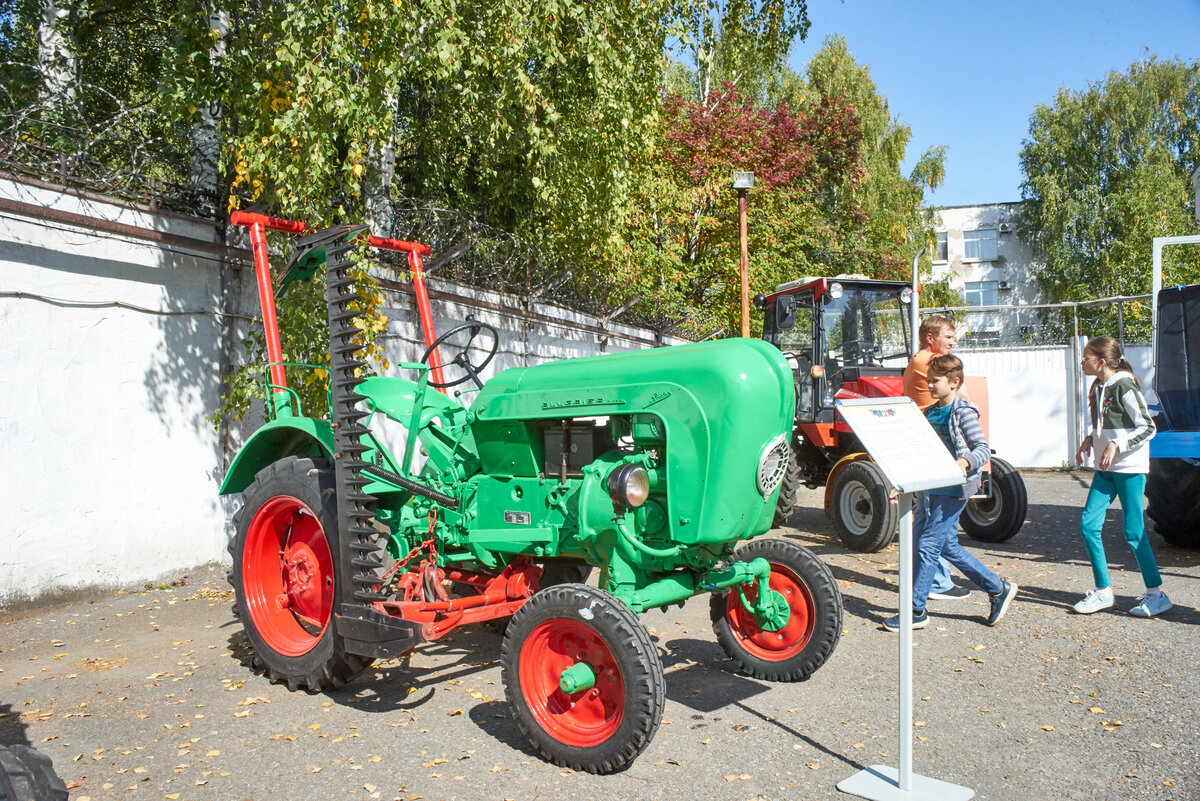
[[149, 694]]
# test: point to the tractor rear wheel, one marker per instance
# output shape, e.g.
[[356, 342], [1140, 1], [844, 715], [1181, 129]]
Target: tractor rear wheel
[[285, 560], [1173, 501], [787, 491], [999, 517], [26, 774], [862, 514], [583, 677], [814, 625]]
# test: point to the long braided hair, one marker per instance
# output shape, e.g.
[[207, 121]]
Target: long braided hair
[[1109, 350]]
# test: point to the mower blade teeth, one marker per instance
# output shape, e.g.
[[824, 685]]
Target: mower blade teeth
[[359, 540]]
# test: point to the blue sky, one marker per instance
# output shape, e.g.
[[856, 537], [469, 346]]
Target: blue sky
[[968, 74]]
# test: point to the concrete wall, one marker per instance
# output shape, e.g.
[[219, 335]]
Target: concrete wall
[[1035, 396], [111, 354]]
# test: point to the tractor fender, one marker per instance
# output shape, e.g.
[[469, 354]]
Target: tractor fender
[[280, 438], [845, 460]]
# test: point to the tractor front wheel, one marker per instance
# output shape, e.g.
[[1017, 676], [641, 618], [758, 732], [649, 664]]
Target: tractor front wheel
[[814, 622], [999, 517], [862, 514], [583, 677], [1173, 501], [285, 559]]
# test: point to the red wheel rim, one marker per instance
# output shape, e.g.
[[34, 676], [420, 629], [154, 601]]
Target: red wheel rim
[[287, 575], [773, 646], [583, 719]]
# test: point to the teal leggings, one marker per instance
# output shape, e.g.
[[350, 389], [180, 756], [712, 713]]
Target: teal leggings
[[1130, 488]]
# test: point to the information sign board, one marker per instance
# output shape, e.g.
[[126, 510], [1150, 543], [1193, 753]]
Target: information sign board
[[902, 443]]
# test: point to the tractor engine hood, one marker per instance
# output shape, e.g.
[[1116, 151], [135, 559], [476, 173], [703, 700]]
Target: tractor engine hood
[[722, 406]]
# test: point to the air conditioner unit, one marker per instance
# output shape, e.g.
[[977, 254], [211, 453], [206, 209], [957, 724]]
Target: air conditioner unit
[[1004, 285], [1007, 228]]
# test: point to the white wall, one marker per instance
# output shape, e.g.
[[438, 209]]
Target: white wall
[[1035, 396], [110, 467]]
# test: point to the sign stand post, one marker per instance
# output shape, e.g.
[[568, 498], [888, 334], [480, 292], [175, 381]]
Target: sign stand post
[[913, 458]]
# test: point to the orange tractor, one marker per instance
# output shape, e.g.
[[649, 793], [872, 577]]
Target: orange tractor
[[850, 337]]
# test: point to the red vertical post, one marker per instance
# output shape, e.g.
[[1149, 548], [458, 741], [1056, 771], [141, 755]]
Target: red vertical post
[[266, 300], [417, 268]]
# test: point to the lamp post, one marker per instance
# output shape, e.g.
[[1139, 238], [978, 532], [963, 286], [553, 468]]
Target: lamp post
[[742, 182]]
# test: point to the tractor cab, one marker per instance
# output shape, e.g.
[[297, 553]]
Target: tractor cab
[[845, 336]]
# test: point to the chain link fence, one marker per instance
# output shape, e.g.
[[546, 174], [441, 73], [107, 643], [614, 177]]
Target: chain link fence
[[1125, 318]]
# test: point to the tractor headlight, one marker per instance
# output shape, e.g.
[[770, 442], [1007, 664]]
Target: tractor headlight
[[906, 295], [772, 465], [629, 485], [834, 291]]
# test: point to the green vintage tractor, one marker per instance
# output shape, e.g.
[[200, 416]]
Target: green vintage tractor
[[652, 468]]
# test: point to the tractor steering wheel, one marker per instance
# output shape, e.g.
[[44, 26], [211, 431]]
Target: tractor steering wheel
[[470, 369]]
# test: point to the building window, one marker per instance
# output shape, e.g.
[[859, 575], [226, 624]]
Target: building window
[[942, 253], [982, 293], [979, 245]]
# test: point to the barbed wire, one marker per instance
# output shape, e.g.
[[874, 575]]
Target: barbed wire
[[124, 155]]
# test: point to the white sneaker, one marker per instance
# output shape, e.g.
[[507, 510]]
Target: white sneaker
[[1150, 605], [1094, 601]]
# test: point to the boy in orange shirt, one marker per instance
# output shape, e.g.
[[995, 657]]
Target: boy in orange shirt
[[936, 336]]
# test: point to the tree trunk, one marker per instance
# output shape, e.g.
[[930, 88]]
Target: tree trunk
[[56, 56], [205, 150], [381, 171]]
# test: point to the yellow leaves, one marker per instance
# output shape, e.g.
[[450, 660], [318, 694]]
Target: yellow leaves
[[1095, 710], [1046, 727]]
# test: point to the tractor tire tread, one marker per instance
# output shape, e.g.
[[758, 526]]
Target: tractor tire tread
[[1013, 502], [1173, 501], [644, 681], [885, 516], [787, 491], [334, 666], [828, 611], [26, 774]]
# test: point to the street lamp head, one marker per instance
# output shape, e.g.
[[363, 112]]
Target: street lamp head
[[743, 180]]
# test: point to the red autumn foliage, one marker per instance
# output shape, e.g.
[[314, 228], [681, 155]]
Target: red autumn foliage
[[797, 151]]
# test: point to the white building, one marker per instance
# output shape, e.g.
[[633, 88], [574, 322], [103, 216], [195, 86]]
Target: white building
[[979, 251]]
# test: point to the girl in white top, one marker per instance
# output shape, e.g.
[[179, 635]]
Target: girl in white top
[[1120, 429]]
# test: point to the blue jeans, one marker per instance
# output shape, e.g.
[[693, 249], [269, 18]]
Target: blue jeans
[[939, 537], [942, 580], [1107, 487]]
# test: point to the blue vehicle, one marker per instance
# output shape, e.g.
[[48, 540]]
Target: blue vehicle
[[1173, 486]]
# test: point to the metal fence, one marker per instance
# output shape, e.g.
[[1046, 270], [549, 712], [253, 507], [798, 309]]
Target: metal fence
[[1126, 318]]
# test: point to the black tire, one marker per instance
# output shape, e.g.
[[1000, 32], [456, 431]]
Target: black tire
[[564, 572], [1173, 496], [1000, 517], [301, 649], [26, 774], [797, 650], [858, 503], [601, 729], [787, 491]]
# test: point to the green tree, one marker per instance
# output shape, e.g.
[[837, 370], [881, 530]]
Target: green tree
[[857, 214], [1106, 170], [898, 222]]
